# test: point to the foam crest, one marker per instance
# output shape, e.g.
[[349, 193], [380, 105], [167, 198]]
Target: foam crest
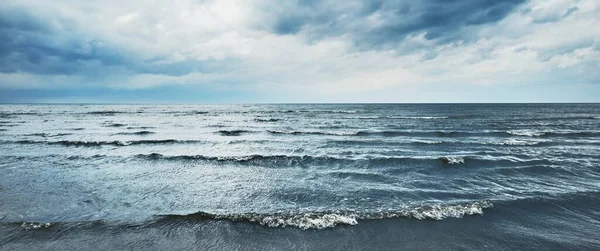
[[526, 132], [308, 221], [321, 220], [418, 117], [428, 142], [333, 133], [35, 225], [452, 160], [440, 212], [515, 142]]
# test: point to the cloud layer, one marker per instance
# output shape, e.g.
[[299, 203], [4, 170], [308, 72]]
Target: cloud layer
[[301, 51]]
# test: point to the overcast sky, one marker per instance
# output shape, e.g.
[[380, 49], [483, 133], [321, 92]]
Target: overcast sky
[[238, 51]]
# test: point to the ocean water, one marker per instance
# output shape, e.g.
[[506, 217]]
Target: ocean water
[[300, 177]]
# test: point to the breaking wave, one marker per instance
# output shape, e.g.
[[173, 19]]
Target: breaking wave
[[328, 219], [525, 132], [453, 160], [307, 161], [35, 225], [565, 133]]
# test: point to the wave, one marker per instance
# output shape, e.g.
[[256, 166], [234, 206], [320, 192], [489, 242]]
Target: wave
[[515, 142], [271, 159], [428, 142], [190, 113], [103, 143], [332, 133], [136, 133], [366, 117], [140, 127], [311, 111], [453, 160], [306, 160], [401, 117], [116, 125], [300, 219], [197, 112], [106, 113], [266, 120], [233, 132], [526, 132], [48, 135], [328, 219], [414, 133], [35, 225], [417, 117], [6, 115], [555, 118], [538, 133]]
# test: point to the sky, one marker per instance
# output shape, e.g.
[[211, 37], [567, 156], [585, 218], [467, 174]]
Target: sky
[[262, 51]]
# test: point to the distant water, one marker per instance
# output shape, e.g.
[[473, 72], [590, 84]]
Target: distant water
[[281, 177]]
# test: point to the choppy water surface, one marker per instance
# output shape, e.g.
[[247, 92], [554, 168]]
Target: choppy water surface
[[372, 176]]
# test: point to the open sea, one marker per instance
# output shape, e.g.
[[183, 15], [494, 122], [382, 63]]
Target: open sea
[[300, 177]]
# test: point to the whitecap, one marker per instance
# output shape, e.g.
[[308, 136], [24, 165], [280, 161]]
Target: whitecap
[[526, 132], [35, 225], [452, 160]]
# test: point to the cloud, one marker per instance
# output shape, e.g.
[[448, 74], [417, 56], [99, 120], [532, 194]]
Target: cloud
[[305, 50], [380, 24]]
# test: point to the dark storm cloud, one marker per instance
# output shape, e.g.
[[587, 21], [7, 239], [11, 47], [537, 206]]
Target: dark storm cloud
[[379, 24]]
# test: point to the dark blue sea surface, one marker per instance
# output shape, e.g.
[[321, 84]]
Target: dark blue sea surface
[[300, 177]]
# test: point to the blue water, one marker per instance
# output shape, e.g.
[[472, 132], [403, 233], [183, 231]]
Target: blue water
[[279, 177]]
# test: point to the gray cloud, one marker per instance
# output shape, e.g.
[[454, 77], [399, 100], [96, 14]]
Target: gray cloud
[[33, 43], [315, 46], [378, 24], [30, 43]]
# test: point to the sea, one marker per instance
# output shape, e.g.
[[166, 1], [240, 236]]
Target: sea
[[300, 177]]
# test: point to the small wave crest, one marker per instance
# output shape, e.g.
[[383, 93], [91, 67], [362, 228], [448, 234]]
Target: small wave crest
[[106, 113], [35, 225], [557, 133], [332, 133], [428, 142], [452, 160], [232, 132], [309, 161], [103, 143], [48, 135], [116, 125], [417, 117], [266, 120], [136, 133], [526, 132], [515, 142]]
